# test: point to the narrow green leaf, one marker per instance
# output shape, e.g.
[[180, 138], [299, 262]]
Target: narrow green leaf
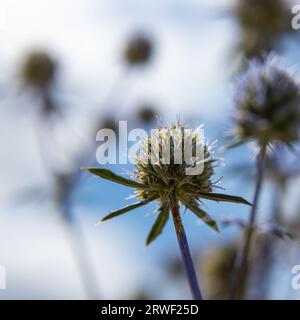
[[126, 209], [224, 198], [159, 224], [193, 206], [109, 175]]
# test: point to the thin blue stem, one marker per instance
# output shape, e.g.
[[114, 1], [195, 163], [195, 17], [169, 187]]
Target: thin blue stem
[[186, 255]]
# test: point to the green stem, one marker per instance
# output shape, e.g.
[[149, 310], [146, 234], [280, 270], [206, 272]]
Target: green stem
[[241, 266], [185, 253]]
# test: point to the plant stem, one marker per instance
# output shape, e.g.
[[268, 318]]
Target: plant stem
[[241, 265], [81, 259], [185, 253], [267, 248]]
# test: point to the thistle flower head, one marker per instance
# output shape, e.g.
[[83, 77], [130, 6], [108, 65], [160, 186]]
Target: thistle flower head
[[38, 70], [268, 103], [138, 50], [167, 178], [172, 179]]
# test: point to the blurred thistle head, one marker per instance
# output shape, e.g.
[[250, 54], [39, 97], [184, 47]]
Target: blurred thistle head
[[166, 180], [146, 113], [174, 266], [216, 268], [262, 22], [268, 103], [270, 16], [108, 122], [38, 70], [138, 50]]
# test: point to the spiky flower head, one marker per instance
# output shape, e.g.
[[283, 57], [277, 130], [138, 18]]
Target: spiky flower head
[[268, 103], [38, 69], [139, 50], [168, 180]]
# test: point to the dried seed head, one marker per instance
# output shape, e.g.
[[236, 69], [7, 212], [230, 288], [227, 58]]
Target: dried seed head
[[138, 50], [269, 16], [38, 70], [169, 180], [262, 22], [268, 102]]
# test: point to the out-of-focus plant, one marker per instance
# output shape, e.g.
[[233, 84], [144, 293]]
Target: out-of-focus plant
[[39, 72], [141, 295], [136, 54], [216, 269], [267, 103], [139, 50], [268, 112], [169, 184], [263, 24], [262, 256], [146, 114], [281, 171], [174, 267]]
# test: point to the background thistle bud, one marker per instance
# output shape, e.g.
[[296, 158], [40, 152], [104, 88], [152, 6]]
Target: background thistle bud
[[138, 50], [262, 23], [268, 103], [269, 16], [38, 70], [146, 113], [216, 268]]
